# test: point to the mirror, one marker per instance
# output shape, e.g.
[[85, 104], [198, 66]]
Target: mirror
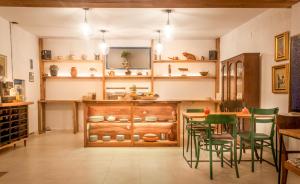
[[129, 57]]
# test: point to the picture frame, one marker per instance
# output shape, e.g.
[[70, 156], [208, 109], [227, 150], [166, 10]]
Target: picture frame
[[280, 78], [3, 66], [282, 46]]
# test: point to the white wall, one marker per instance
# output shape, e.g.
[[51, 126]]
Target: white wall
[[25, 47], [257, 35]]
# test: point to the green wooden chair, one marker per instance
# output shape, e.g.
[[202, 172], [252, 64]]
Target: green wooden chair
[[259, 140], [195, 132], [220, 143]]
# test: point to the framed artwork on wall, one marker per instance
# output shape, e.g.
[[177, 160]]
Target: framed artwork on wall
[[280, 78], [3, 63], [282, 46]]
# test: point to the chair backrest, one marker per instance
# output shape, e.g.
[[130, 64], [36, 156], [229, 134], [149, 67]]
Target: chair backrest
[[259, 115], [225, 120], [194, 110]]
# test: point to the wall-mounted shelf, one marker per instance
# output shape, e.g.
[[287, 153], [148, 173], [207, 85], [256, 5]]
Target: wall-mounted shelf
[[129, 77], [185, 77], [184, 61], [71, 61], [67, 77]]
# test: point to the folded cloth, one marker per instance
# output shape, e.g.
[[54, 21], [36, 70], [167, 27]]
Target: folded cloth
[[295, 162]]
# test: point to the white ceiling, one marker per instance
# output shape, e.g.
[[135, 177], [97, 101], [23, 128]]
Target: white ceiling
[[134, 23]]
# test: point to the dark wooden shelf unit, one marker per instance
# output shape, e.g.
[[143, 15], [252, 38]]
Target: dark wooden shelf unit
[[13, 125]]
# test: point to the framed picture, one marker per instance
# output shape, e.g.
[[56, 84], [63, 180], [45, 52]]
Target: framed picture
[[31, 77], [3, 61], [280, 78], [282, 46]]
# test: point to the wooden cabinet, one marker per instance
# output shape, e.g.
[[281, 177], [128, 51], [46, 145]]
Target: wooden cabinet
[[13, 124], [132, 120], [241, 79]]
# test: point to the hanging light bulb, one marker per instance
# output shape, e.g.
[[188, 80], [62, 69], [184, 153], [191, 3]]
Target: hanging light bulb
[[85, 27], [103, 46], [168, 29], [159, 46]]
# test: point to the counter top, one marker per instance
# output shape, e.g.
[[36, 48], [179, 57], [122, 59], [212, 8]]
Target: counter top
[[144, 101], [15, 104]]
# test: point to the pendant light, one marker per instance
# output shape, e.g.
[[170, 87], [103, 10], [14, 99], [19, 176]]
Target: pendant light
[[85, 27], [168, 29], [159, 46], [103, 46]]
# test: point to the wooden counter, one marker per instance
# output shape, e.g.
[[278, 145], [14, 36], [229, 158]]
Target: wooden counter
[[13, 123], [167, 125]]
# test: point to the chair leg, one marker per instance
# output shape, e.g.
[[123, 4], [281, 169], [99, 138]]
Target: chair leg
[[188, 142], [231, 155], [284, 175], [198, 154], [210, 161], [235, 159], [222, 157], [241, 149], [252, 154], [261, 150], [195, 143], [273, 153]]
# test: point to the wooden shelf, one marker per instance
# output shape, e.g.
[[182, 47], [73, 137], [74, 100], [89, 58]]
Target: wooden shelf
[[72, 61], [67, 77], [111, 143], [185, 77], [142, 77], [184, 61], [157, 143]]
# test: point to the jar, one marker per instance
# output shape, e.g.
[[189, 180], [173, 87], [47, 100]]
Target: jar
[[74, 72], [53, 70]]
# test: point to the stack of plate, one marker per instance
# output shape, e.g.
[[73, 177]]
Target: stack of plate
[[120, 137], [123, 120], [93, 138], [137, 119], [106, 137], [150, 118], [96, 118]]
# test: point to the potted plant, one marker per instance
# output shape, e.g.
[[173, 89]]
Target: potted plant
[[125, 55]]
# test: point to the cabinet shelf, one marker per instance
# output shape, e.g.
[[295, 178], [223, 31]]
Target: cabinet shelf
[[67, 77], [185, 77], [71, 61], [184, 61], [128, 77]]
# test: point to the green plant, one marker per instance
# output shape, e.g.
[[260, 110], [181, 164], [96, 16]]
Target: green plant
[[125, 54]]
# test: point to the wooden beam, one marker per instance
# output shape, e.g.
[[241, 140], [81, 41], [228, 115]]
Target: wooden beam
[[217, 84], [152, 3]]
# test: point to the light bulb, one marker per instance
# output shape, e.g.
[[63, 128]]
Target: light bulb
[[104, 48], [168, 31], [86, 29], [159, 48]]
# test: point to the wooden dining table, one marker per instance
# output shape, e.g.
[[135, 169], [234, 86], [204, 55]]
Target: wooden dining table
[[190, 116]]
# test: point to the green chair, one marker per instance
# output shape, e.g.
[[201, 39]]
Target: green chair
[[195, 131], [259, 140], [220, 143]]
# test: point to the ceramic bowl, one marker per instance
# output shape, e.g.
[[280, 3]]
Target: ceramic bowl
[[93, 138], [111, 118], [106, 138], [96, 118], [120, 137], [123, 120], [137, 119], [204, 73]]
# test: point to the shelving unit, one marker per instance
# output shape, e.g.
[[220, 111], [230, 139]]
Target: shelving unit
[[137, 77], [184, 61], [185, 77], [71, 61], [166, 111], [13, 124], [70, 78]]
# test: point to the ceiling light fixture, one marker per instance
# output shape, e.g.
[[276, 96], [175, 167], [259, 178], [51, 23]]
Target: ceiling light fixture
[[103, 46], [159, 46], [85, 27], [168, 29]]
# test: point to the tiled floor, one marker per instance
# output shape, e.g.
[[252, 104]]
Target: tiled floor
[[59, 157]]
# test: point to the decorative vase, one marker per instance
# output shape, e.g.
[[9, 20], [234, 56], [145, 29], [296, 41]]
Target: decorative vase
[[53, 70], [206, 110], [74, 72], [128, 72]]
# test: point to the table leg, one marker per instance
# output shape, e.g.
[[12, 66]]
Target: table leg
[[280, 159], [75, 118]]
